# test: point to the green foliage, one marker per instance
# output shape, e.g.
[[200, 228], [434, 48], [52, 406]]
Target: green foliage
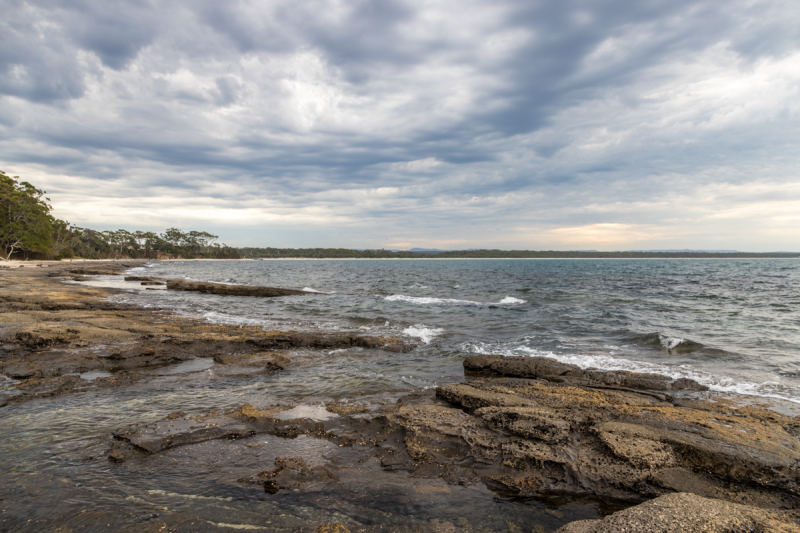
[[172, 244], [25, 220], [26, 226]]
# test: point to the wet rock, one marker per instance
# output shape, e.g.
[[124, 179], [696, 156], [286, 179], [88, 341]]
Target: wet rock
[[117, 456], [159, 436], [556, 371], [152, 283], [269, 360], [688, 513], [293, 473], [344, 409], [231, 290], [144, 278], [19, 371], [535, 436], [282, 340]]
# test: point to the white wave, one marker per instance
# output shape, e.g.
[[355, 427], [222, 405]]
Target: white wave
[[512, 300], [222, 318], [717, 383], [670, 343], [426, 300], [309, 289], [519, 350], [422, 331]]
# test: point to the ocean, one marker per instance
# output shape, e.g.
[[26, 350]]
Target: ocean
[[731, 324]]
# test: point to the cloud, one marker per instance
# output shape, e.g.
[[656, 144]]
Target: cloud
[[364, 123]]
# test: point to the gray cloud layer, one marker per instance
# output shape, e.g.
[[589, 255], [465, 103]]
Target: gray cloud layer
[[522, 124]]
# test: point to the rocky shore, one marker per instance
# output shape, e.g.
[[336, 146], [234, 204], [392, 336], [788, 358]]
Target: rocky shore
[[524, 427], [52, 332]]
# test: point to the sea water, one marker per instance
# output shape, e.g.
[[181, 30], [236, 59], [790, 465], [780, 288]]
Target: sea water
[[730, 324]]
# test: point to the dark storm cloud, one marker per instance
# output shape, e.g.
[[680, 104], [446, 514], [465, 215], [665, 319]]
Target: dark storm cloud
[[436, 112]]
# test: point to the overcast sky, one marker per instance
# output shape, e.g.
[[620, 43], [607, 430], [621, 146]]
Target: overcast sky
[[516, 124]]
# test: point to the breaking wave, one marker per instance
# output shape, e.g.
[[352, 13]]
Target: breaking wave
[[427, 300], [309, 289], [726, 384], [669, 343], [510, 300], [423, 332]]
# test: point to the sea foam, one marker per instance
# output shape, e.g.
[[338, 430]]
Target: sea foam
[[423, 332], [309, 289], [714, 382], [427, 300], [510, 300]]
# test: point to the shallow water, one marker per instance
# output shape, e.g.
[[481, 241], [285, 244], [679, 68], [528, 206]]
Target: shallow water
[[732, 324]]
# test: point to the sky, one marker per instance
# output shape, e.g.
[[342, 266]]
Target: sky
[[512, 124]]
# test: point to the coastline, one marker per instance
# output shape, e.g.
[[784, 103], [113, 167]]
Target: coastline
[[525, 427]]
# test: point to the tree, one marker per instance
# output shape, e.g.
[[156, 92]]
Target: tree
[[25, 220], [64, 238], [174, 236], [201, 240]]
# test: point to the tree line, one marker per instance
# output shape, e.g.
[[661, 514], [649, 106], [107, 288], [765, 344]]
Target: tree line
[[28, 230]]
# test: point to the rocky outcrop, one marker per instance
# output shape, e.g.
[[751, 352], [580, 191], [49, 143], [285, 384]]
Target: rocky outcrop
[[49, 330], [231, 290], [179, 430], [688, 513], [558, 372], [536, 436]]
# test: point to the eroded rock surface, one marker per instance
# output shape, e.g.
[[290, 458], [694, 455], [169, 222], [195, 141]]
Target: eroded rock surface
[[542, 436], [179, 430], [558, 372], [51, 332], [231, 290]]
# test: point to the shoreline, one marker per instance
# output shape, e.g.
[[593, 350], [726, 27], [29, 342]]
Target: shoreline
[[15, 263], [528, 427]]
